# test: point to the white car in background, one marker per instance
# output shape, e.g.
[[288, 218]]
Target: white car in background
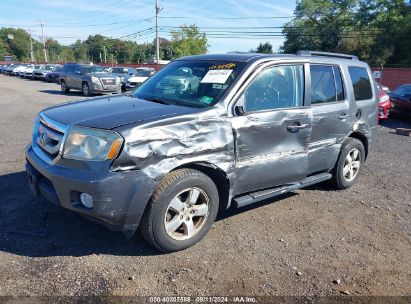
[[136, 80], [29, 72], [18, 69]]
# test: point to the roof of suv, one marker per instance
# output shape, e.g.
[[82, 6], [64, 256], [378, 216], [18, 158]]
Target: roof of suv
[[252, 57]]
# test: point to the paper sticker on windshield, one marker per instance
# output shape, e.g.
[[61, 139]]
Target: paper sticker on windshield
[[216, 76]]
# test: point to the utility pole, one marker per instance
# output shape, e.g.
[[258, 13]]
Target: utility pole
[[105, 54], [31, 47], [44, 43], [158, 10]]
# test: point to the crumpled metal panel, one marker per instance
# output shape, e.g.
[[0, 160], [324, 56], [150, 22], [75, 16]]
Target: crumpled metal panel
[[159, 147]]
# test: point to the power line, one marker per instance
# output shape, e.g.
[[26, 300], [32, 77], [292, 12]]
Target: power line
[[228, 18]]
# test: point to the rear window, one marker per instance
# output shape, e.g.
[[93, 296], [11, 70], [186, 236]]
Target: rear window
[[361, 83]]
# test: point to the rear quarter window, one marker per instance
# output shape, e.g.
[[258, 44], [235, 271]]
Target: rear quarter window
[[361, 83]]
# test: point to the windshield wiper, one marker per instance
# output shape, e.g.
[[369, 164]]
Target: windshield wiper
[[160, 100]]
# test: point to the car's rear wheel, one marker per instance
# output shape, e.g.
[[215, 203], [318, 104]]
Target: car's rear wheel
[[64, 88], [349, 164], [181, 210], [86, 89]]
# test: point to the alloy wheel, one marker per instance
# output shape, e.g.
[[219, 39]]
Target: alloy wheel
[[352, 164], [186, 214]]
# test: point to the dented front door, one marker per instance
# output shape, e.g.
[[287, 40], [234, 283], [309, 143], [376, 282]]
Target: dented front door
[[272, 129], [271, 148]]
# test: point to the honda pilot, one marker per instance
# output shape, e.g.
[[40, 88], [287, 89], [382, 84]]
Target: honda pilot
[[236, 130]]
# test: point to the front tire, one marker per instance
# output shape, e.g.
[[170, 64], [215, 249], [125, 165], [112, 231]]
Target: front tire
[[349, 164], [181, 211], [86, 89], [64, 88]]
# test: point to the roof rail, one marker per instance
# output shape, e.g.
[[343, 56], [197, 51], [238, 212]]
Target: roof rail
[[325, 54]]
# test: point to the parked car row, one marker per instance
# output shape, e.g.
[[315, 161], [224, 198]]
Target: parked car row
[[88, 78]]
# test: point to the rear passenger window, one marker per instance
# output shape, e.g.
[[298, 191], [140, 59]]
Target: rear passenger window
[[326, 84], [361, 83]]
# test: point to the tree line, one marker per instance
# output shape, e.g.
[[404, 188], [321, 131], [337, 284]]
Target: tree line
[[377, 31], [187, 40]]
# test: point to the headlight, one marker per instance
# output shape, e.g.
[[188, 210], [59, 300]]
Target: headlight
[[91, 144], [95, 79]]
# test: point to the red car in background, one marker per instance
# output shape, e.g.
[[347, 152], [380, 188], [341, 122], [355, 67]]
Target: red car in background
[[384, 104]]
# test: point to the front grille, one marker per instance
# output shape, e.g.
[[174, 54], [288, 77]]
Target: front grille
[[108, 81], [48, 137], [38, 74]]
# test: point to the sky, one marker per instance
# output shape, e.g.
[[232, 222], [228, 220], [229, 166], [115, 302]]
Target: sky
[[222, 20]]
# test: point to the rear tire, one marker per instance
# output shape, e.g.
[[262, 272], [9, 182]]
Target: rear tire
[[181, 211], [64, 88], [349, 164]]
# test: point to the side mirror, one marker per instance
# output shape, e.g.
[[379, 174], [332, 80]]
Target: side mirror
[[239, 110], [78, 72]]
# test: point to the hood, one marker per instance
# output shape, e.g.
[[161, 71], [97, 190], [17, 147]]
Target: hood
[[112, 112]]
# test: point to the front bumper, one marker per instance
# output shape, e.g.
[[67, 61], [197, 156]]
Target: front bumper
[[100, 88], [119, 198]]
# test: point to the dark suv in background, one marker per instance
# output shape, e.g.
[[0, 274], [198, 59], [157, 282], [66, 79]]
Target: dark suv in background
[[235, 130], [89, 79]]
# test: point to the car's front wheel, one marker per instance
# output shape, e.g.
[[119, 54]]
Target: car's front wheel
[[64, 88], [181, 210], [86, 89]]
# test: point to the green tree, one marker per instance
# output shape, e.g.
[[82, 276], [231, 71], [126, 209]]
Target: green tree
[[188, 41], [54, 49], [17, 42], [66, 54], [81, 52], [378, 31], [265, 48]]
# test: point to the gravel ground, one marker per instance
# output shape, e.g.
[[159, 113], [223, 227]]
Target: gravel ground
[[315, 241]]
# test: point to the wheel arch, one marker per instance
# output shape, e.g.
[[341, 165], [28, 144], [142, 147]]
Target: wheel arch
[[364, 140], [217, 175]]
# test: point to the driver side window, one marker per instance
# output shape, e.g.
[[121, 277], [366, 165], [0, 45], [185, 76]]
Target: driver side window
[[275, 88]]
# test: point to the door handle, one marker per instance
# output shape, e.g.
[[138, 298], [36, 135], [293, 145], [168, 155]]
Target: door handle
[[343, 116], [295, 128]]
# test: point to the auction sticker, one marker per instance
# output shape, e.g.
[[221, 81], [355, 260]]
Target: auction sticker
[[216, 76]]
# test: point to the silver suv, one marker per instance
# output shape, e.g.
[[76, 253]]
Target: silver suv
[[169, 157], [89, 79]]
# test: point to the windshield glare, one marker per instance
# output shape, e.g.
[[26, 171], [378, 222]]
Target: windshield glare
[[94, 69], [143, 73], [119, 70], [191, 83]]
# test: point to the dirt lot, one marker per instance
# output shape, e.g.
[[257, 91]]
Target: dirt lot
[[299, 244]]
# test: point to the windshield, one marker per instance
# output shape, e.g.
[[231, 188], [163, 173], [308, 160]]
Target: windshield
[[94, 69], [143, 73], [119, 70], [49, 67], [191, 83]]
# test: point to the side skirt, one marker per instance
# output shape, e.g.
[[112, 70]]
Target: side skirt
[[261, 195]]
